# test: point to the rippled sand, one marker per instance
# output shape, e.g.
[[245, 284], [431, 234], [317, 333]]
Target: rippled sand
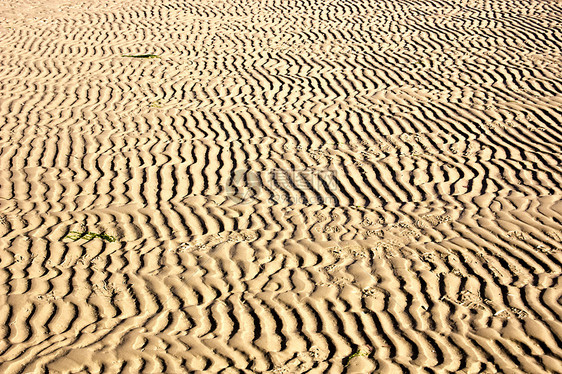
[[280, 186]]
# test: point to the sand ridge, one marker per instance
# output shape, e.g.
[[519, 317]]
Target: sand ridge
[[326, 186]]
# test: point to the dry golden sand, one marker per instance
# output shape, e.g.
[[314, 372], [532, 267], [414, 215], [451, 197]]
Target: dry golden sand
[[431, 131]]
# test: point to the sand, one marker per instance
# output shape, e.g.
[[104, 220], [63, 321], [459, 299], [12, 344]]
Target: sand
[[282, 187]]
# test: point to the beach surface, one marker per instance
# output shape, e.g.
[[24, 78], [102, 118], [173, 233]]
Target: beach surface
[[244, 186]]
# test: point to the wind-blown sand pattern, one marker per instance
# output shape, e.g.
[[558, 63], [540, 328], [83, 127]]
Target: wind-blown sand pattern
[[429, 239]]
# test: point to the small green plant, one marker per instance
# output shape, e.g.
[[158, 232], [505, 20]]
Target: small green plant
[[156, 104], [88, 235], [358, 353], [142, 56]]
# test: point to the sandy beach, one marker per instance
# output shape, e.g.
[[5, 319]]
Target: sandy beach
[[331, 186]]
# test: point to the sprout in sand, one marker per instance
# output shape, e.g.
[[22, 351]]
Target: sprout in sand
[[142, 56], [88, 235]]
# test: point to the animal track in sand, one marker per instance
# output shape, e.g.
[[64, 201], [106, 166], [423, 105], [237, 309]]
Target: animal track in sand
[[208, 242]]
